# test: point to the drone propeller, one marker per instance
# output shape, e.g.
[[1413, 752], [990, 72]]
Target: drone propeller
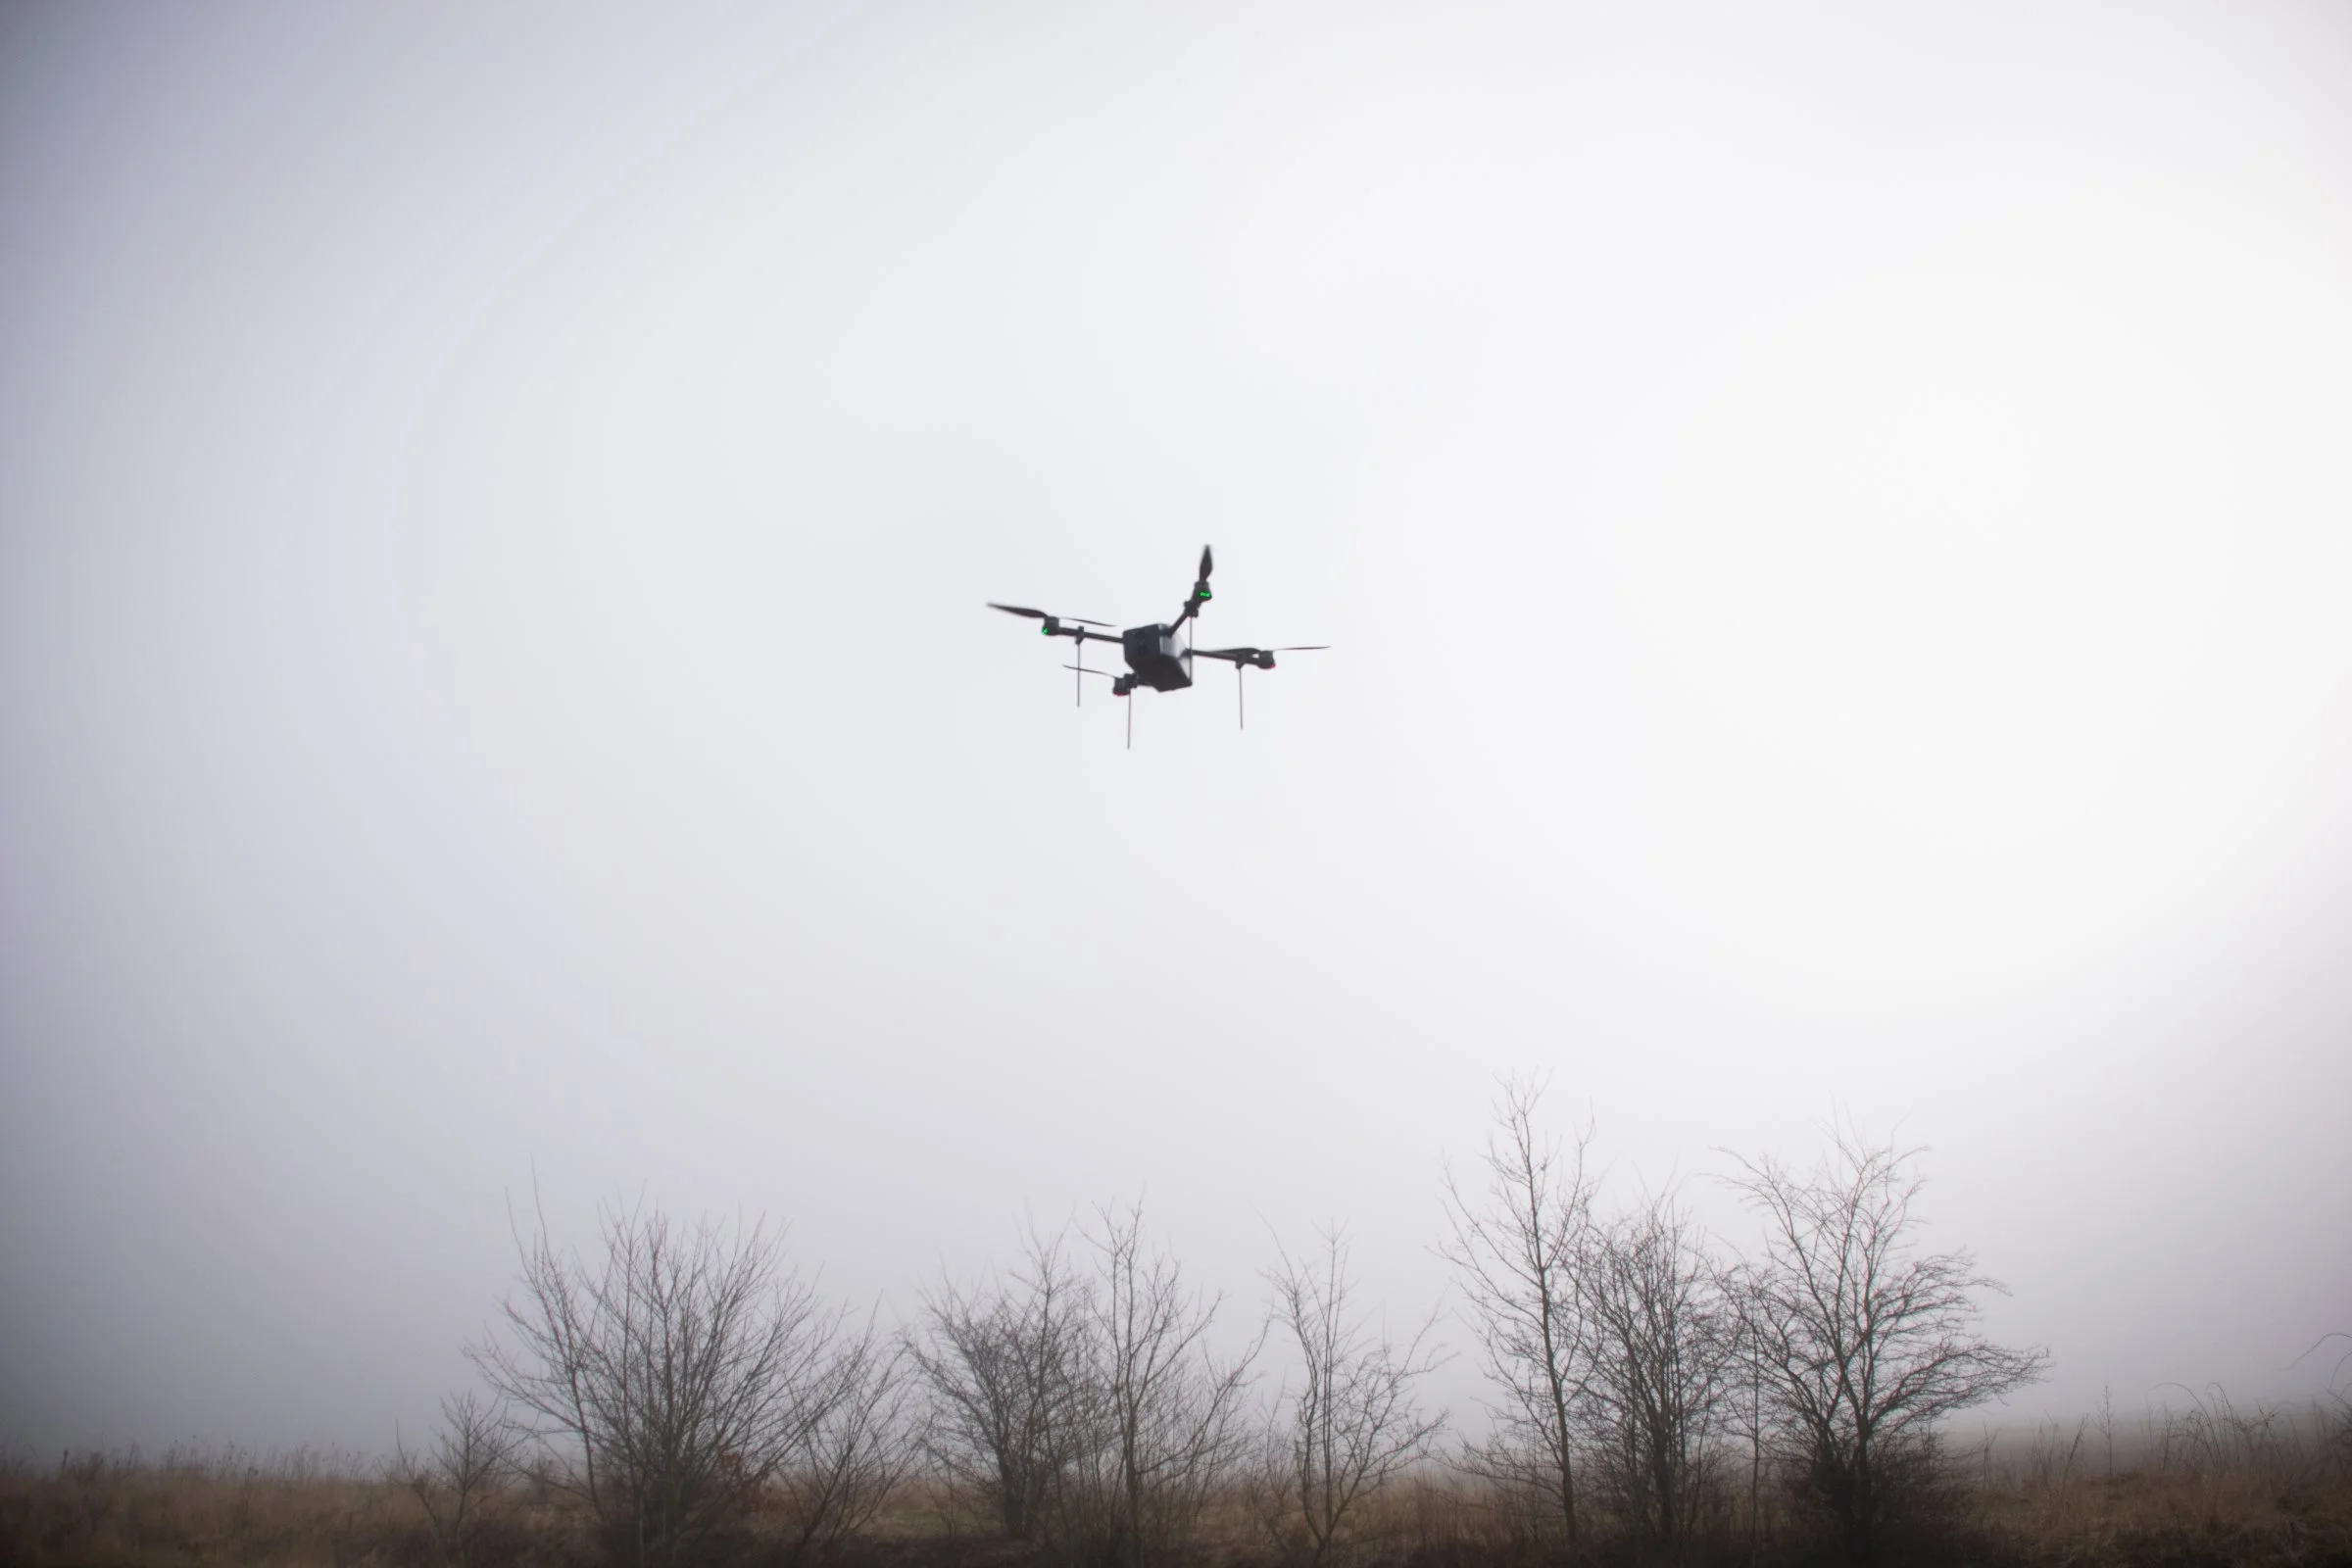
[[1039, 614], [1262, 657], [1200, 594]]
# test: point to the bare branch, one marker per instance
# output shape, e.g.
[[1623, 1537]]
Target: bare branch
[[1352, 1425], [1863, 1344], [671, 1381], [1517, 1239]]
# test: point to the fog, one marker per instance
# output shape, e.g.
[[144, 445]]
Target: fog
[[1833, 527]]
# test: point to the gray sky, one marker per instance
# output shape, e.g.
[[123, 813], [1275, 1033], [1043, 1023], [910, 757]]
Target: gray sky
[[1834, 524]]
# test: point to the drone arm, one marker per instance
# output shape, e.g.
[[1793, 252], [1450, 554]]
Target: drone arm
[[1076, 635]]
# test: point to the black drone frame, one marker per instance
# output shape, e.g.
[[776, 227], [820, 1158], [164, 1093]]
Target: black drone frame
[[1152, 658]]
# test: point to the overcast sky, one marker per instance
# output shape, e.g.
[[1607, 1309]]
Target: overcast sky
[[1836, 524]]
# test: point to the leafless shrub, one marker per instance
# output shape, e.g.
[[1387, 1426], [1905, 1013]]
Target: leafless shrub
[[2214, 1435], [1170, 1412], [854, 1452], [671, 1381], [2215, 1455], [1864, 1344], [1662, 1368], [455, 1480], [1352, 1424], [1008, 1371], [1517, 1240], [1086, 1407], [2332, 1409]]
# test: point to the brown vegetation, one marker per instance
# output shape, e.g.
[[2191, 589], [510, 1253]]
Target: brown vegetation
[[2200, 1486], [684, 1399]]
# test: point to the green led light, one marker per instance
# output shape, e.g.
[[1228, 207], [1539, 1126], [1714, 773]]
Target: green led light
[[1045, 628], [1204, 590]]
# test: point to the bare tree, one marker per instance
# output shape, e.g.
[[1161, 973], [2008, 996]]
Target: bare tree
[[1008, 1370], [1354, 1422], [856, 1449], [671, 1381], [1865, 1345], [1517, 1240], [1746, 1417], [456, 1479], [1171, 1412], [1663, 1352]]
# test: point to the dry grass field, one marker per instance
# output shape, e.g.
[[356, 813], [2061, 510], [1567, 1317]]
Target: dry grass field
[[2203, 1486], [681, 1398]]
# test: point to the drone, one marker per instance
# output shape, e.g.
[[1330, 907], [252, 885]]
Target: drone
[[1153, 656]]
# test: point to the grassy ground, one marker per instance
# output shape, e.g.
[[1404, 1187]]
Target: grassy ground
[[2208, 1488]]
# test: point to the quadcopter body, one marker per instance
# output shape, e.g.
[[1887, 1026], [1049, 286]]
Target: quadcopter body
[[1155, 655], [1154, 660]]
